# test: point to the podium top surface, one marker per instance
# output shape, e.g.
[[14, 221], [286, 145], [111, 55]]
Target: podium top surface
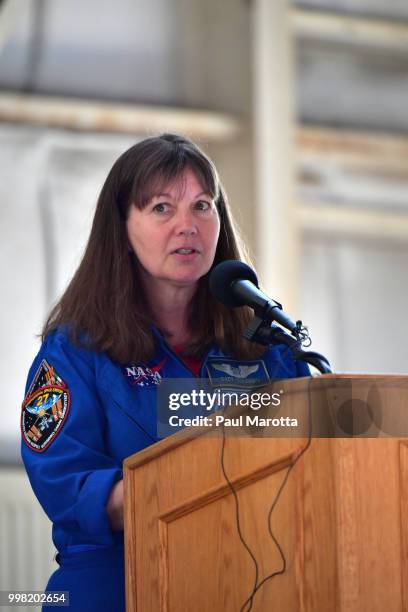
[[294, 386]]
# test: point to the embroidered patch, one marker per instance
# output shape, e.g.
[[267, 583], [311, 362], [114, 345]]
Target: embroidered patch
[[143, 376], [225, 372], [45, 408]]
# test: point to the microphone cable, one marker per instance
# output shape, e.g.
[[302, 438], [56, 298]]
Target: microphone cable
[[237, 517], [256, 587]]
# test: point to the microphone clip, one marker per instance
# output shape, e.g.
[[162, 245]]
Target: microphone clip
[[264, 332], [302, 333]]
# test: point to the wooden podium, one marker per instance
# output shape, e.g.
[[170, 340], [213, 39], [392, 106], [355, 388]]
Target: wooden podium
[[341, 518]]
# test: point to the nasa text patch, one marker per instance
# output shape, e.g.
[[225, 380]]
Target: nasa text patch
[[45, 408], [142, 375]]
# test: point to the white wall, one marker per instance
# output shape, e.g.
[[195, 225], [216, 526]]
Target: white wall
[[49, 187]]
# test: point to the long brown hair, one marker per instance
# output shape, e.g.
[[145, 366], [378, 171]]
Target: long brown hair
[[104, 306]]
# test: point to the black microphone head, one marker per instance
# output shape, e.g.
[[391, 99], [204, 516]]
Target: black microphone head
[[222, 277]]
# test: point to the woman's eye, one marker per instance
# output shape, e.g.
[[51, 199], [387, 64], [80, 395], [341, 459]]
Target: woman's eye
[[161, 208], [203, 205]]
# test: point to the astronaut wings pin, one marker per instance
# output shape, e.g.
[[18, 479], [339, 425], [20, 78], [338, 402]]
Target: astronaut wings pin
[[237, 371]]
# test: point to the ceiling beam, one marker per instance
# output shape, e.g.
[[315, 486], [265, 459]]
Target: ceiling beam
[[116, 117], [350, 30], [329, 221]]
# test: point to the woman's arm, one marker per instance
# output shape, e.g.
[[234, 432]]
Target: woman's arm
[[73, 475], [114, 506]]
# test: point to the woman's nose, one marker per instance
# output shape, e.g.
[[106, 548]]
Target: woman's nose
[[186, 223]]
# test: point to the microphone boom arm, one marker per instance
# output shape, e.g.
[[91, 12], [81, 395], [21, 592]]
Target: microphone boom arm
[[264, 332]]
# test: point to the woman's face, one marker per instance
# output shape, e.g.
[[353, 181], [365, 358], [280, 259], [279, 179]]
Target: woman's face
[[175, 236]]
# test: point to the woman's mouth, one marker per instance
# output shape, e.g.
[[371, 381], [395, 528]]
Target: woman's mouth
[[186, 254]]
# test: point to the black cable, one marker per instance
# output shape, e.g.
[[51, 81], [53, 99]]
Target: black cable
[[233, 491], [249, 600], [256, 587], [274, 503]]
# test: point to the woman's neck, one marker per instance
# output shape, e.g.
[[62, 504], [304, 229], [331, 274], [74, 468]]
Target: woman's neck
[[170, 308], [173, 324]]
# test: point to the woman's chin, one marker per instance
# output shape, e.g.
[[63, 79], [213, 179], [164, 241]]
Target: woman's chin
[[185, 281]]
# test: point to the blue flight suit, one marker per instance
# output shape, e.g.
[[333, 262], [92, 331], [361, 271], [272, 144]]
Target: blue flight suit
[[82, 416]]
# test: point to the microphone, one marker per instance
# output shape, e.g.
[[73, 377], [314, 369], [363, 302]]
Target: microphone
[[234, 284]]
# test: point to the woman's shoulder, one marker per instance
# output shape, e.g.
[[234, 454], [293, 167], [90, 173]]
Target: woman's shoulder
[[61, 357], [59, 348], [64, 339], [60, 341]]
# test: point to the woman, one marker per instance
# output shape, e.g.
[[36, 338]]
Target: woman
[[138, 309]]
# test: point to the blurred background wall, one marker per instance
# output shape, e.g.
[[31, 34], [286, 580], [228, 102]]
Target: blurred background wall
[[303, 107]]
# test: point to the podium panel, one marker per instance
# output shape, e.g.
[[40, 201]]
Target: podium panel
[[339, 526]]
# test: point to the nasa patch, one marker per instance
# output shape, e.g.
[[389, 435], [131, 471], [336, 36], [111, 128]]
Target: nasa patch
[[142, 376], [44, 408], [224, 372]]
